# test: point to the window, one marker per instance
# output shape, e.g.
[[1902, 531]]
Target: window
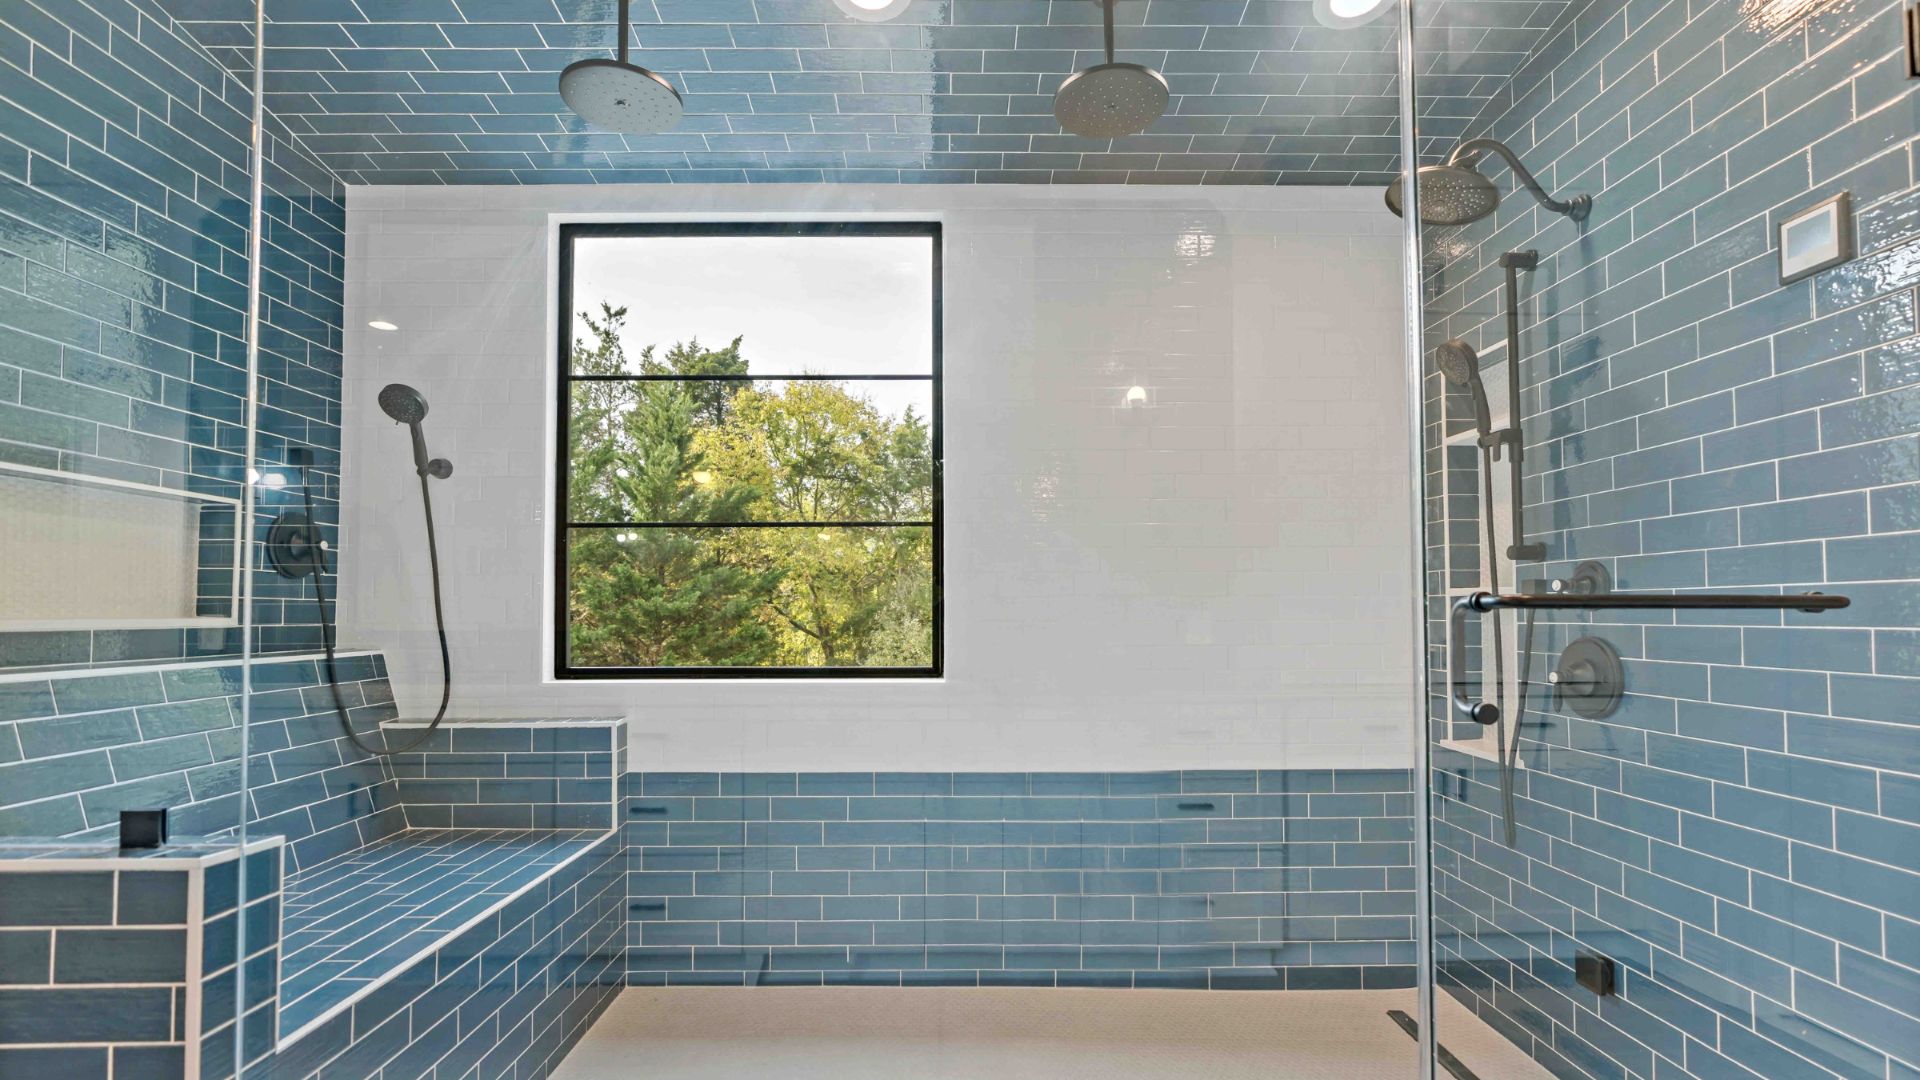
[[748, 469]]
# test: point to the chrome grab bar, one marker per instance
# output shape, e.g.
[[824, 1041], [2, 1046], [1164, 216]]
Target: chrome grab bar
[[1487, 713]]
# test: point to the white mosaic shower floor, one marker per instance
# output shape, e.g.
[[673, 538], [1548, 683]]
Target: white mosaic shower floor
[[802, 1033]]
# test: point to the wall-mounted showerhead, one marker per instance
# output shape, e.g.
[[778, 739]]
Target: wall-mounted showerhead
[[1449, 195], [1112, 99], [407, 406], [620, 96], [1460, 365], [1456, 193]]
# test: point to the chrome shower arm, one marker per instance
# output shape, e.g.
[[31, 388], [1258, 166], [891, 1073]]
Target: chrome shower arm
[[1467, 152]]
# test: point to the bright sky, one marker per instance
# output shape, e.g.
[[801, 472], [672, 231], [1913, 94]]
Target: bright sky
[[814, 304]]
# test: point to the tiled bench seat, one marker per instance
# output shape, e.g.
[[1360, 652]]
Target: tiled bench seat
[[351, 923]]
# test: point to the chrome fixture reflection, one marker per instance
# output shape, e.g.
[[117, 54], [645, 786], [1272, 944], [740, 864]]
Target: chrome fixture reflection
[[620, 96], [1456, 193], [1112, 99]]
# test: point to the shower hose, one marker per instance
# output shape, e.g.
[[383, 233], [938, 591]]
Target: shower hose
[[439, 623]]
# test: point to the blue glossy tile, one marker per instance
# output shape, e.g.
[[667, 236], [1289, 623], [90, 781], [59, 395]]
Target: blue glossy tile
[[151, 898], [56, 899], [28, 1063], [120, 956], [86, 1015]]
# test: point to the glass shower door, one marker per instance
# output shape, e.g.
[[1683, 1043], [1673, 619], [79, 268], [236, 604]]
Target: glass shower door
[[1668, 829]]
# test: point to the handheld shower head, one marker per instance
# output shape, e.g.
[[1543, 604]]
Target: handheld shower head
[[1456, 194], [407, 406], [1460, 366], [403, 403]]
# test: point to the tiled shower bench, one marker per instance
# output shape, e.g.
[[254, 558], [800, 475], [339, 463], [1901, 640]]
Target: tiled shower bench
[[488, 923], [119, 964]]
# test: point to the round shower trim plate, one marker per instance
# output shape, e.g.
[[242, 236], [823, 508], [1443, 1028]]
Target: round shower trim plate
[[1342, 14], [872, 11]]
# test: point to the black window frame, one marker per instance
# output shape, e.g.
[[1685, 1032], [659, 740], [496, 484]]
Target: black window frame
[[570, 232]]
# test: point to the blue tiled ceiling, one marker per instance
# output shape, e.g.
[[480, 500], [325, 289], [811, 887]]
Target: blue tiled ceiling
[[464, 91]]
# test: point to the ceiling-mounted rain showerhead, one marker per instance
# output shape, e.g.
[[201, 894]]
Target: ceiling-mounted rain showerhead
[[1112, 99], [619, 96], [1460, 366], [1456, 194]]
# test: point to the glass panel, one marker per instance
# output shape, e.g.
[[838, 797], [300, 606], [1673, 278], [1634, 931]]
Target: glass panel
[[312, 794], [783, 305], [1669, 821], [750, 451], [125, 233], [802, 597]]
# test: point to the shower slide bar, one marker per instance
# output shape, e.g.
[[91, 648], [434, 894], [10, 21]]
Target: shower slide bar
[[1485, 712]]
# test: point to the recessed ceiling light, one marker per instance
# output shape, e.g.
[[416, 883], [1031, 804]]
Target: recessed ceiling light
[[872, 10], [382, 324], [1341, 14]]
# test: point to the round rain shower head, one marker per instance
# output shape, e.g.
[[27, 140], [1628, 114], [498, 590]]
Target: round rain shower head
[[403, 403], [1449, 195], [1112, 99], [1109, 100], [1457, 361], [619, 96]]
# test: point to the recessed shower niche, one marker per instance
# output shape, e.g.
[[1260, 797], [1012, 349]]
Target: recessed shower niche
[[102, 553]]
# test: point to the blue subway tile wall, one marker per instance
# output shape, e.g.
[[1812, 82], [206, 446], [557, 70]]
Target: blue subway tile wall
[[1742, 836], [556, 773], [81, 746], [952, 91], [1297, 879], [123, 269], [223, 975]]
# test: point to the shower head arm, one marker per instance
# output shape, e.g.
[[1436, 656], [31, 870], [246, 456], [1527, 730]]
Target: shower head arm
[[1106, 8], [626, 28], [1468, 152]]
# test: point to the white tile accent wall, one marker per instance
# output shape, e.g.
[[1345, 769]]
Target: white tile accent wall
[[1218, 580]]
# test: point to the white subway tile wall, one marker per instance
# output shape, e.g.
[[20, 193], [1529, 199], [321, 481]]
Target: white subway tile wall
[[1215, 579]]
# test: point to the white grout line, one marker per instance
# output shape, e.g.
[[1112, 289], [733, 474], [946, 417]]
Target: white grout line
[[196, 959]]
